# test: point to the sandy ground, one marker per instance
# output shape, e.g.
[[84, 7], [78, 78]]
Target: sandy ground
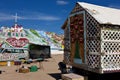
[[48, 72]]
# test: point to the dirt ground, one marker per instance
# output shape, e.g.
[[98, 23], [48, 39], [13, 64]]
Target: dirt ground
[[48, 72]]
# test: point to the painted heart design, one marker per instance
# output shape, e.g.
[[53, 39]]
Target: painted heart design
[[17, 42]]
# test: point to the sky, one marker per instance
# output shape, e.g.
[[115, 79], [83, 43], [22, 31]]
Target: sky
[[46, 15]]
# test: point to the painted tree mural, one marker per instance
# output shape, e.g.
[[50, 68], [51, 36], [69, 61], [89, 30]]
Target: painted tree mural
[[77, 37]]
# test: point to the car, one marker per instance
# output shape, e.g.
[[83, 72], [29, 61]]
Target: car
[[8, 54]]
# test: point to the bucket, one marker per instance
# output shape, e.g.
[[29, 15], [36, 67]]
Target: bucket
[[17, 63], [3, 63], [8, 63], [33, 68]]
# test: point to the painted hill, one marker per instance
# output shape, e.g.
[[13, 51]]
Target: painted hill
[[44, 38], [34, 36]]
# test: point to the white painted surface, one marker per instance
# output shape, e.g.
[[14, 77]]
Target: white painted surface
[[56, 52], [103, 15]]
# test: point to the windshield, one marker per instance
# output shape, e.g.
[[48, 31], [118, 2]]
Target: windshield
[[13, 51]]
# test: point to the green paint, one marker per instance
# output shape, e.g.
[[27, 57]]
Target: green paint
[[35, 32], [9, 34], [77, 51], [16, 34]]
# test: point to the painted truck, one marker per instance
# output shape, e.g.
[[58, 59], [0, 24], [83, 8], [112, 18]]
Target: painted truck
[[92, 38], [14, 49], [13, 54]]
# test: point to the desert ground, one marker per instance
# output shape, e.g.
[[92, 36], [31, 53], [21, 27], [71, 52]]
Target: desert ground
[[48, 71]]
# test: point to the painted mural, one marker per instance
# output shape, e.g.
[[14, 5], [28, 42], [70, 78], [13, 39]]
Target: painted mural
[[77, 38], [9, 56], [21, 42], [14, 31], [12, 39], [36, 37], [18, 37]]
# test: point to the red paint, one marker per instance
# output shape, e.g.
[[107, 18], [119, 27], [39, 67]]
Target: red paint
[[17, 42]]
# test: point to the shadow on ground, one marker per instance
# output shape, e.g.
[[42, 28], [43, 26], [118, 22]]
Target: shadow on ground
[[109, 76], [115, 76], [57, 76]]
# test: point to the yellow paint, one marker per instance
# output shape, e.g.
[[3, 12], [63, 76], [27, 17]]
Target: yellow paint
[[4, 63]]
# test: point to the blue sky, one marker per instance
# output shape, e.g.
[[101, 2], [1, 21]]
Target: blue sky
[[47, 15]]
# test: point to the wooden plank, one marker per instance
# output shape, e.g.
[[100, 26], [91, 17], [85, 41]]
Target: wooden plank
[[72, 76]]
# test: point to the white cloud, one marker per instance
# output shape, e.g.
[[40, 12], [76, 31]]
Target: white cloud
[[51, 18], [61, 2], [4, 17], [30, 16], [40, 17]]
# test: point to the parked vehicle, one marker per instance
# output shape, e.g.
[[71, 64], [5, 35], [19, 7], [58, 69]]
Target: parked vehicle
[[13, 54]]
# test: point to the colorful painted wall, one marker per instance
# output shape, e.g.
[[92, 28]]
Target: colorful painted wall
[[37, 37], [77, 38]]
